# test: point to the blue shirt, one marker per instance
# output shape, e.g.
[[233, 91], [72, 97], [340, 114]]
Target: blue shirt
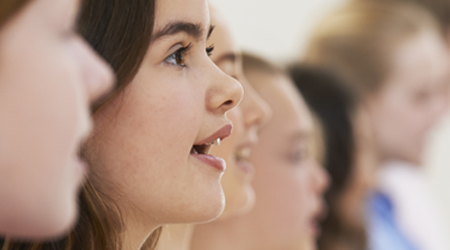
[[383, 231]]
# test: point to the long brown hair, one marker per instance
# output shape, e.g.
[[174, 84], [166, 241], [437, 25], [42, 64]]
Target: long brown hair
[[120, 31], [9, 8], [335, 107]]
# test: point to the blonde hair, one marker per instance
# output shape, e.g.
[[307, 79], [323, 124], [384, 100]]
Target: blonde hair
[[357, 40]]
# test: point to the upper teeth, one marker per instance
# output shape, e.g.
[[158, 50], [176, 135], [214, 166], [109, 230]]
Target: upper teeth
[[243, 154], [215, 142]]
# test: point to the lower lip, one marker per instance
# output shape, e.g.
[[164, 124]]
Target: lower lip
[[214, 161], [245, 166], [315, 228]]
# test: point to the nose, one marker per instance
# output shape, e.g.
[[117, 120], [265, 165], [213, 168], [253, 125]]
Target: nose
[[442, 101], [255, 110], [321, 178], [225, 92], [98, 76]]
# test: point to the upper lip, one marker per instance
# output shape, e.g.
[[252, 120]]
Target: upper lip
[[321, 211], [247, 144], [222, 133]]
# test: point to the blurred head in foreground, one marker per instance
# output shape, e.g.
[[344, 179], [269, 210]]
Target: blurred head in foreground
[[49, 76]]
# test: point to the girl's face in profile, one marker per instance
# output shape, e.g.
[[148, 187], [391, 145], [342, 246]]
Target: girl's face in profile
[[412, 99], [151, 143], [247, 118], [48, 76], [289, 183]]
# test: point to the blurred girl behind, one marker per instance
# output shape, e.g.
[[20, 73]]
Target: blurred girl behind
[[348, 156], [393, 55]]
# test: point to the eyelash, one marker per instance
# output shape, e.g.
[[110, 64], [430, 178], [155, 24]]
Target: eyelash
[[298, 156], [178, 56], [209, 50]]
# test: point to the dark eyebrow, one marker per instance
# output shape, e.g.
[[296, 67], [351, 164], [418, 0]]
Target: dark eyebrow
[[192, 29], [300, 136], [211, 29]]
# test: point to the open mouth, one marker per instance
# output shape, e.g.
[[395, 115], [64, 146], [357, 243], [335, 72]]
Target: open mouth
[[243, 154], [201, 152], [204, 148]]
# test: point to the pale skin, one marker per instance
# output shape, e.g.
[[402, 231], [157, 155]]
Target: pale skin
[[247, 119], [288, 181], [142, 147], [412, 98], [46, 87]]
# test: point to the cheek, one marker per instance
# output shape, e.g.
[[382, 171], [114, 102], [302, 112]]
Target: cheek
[[148, 133], [47, 109], [148, 122], [281, 195], [394, 123], [48, 116], [402, 116]]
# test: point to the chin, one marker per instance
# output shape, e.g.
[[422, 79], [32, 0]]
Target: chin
[[62, 220], [208, 212], [249, 203], [46, 223], [203, 208], [241, 205]]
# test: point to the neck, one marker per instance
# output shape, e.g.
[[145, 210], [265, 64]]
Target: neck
[[218, 235], [136, 232], [176, 237], [236, 234]]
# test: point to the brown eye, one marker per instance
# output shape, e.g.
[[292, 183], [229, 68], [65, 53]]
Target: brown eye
[[177, 58]]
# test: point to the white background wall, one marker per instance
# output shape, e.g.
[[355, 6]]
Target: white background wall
[[279, 30], [276, 29]]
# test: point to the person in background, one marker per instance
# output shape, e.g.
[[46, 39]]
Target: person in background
[[288, 182], [49, 76], [247, 118], [393, 55], [348, 156], [441, 10]]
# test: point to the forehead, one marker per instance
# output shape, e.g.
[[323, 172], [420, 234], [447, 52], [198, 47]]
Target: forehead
[[222, 37], [423, 58], [192, 11], [290, 112]]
